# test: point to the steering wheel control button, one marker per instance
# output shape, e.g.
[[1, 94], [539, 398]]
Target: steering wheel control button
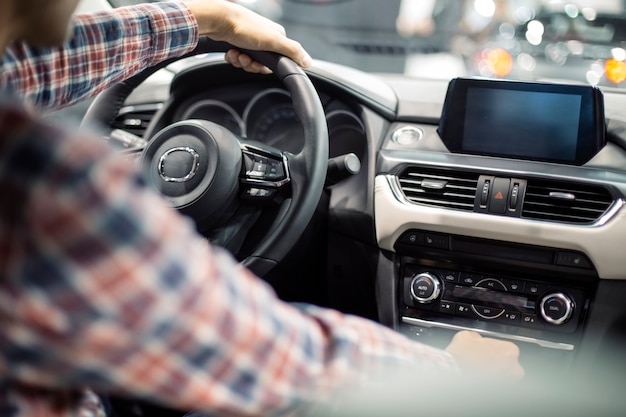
[[556, 308], [263, 167], [260, 193], [425, 288]]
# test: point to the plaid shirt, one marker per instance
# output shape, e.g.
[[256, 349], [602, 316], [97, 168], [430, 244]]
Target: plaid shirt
[[103, 285]]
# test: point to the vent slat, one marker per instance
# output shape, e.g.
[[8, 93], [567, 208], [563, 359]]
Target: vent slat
[[458, 193]]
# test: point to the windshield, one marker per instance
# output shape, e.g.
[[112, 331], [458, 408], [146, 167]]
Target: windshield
[[573, 41]]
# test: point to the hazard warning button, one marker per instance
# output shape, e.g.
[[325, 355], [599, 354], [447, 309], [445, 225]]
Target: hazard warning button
[[499, 195]]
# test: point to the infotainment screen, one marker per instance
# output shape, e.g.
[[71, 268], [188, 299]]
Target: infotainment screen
[[537, 121]]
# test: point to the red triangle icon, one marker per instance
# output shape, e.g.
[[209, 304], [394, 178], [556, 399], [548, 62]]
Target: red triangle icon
[[499, 196]]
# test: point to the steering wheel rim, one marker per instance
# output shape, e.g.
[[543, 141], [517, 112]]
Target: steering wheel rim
[[307, 168]]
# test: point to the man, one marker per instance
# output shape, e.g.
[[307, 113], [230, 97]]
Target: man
[[102, 285]]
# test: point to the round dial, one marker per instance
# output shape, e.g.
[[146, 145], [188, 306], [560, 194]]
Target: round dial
[[556, 308], [425, 288]]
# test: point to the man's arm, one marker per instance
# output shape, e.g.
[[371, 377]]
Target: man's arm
[[105, 47], [109, 46], [110, 288]]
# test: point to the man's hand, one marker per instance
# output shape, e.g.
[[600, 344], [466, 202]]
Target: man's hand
[[224, 21], [485, 357]]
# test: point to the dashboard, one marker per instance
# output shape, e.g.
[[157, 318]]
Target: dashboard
[[429, 240]]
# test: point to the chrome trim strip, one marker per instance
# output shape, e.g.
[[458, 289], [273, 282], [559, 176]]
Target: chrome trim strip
[[515, 338], [193, 170]]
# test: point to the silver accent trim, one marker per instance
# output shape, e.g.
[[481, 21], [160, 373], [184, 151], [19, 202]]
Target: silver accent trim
[[192, 172], [407, 135], [543, 343]]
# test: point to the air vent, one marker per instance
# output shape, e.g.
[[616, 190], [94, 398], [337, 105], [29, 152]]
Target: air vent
[[135, 119], [439, 187], [565, 202]]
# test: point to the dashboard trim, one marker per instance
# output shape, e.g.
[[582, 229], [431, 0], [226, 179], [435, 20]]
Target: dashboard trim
[[602, 244], [516, 338]]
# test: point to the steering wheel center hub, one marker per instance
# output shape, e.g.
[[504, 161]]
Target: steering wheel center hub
[[195, 165]]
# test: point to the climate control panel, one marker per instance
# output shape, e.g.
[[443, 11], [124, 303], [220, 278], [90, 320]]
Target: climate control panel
[[492, 299]]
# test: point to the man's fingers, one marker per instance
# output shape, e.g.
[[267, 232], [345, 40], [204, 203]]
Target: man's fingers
[[245, 62]]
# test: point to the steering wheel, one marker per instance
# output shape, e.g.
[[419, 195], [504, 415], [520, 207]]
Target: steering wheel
[[222, 182]]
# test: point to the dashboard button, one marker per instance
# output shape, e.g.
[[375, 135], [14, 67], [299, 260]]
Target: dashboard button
[[413, 238], [447, 307], [577, 260], [510, 317], [513, 285], [469, 278], [531, 321], [463, 310], [451, 277], [492, 284], [535, 288], [499, 195], [556, 308], [425, 288], [436, 241]]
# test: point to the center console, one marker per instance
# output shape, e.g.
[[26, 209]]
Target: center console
[[535, 296]]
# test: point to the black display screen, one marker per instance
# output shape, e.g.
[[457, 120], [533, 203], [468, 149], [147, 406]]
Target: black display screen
[[536, 121], [485, 297]]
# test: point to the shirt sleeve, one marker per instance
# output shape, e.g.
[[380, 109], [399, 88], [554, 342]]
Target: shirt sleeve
[[105, 47], [110, 288]]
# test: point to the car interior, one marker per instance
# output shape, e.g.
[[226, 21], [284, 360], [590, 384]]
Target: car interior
[[428, 205], [489, 205]]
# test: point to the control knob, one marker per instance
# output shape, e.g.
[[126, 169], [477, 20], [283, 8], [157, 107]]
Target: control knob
[[556, 308], [425, 288]]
